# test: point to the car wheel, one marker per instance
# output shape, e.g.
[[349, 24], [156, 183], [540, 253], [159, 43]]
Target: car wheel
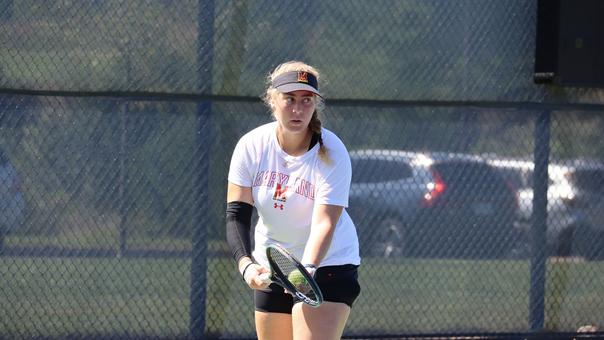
[[588, 243], [390, 239], [521, 248], [564, 244]]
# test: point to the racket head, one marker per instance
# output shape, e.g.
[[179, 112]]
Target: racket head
[[286, 268]]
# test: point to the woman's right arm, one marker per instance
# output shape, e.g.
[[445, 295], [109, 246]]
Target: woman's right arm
[[239, 214], [238, 217]]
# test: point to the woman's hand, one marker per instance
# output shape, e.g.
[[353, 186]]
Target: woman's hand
[[252, 277], [311, 269]]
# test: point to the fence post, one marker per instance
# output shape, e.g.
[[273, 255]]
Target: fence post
[[123, 180], [205, 36], [539, 221]]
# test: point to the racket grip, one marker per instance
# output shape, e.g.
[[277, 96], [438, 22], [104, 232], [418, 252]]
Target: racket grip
[[265, 277]]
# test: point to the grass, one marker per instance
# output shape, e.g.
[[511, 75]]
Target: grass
[[61, 296], [137, 297]]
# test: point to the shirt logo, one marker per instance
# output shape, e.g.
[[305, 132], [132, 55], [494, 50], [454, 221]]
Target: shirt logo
[[280, 192], [302, 77], [280, 181]]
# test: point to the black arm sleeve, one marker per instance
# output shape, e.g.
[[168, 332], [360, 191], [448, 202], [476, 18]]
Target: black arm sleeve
[[238, 226]]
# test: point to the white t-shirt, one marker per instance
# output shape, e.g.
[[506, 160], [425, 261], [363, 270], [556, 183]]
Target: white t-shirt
[[286, 189]]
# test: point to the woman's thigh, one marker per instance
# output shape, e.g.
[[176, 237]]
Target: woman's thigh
[[323, 323], [273, 326]]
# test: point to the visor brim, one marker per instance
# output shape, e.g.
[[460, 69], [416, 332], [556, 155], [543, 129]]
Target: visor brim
[[287, 88]]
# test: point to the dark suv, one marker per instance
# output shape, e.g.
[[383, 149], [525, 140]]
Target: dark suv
[[586, 179], [430, 205], [563, 217]]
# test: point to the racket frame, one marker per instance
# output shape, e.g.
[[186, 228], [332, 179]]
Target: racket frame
[[281, 279]]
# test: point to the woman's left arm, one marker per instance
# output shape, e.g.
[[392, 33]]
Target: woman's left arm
[[324, 220]]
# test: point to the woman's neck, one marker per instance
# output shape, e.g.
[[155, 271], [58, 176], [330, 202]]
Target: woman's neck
[[294, 144]]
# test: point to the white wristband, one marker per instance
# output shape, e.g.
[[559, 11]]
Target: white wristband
[[246, 268], [310, 268]]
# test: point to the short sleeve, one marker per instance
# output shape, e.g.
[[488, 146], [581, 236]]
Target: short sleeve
[[241, 164], [334, 182]]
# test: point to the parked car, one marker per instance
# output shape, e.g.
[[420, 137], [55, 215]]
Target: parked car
[[430, 205], [12, 204], [562, 218], [575, 205], [587, 182]]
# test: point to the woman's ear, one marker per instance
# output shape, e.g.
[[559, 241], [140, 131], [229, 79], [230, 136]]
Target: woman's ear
[[271, 101]]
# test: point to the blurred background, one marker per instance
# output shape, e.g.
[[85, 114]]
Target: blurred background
[[477, 190]]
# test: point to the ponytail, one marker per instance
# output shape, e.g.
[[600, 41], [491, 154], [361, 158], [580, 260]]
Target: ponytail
[[315, 128]]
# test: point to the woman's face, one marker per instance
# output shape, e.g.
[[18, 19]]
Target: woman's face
[[293, 110]]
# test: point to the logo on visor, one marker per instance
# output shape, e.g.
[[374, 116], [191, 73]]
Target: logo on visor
[[302, 77]]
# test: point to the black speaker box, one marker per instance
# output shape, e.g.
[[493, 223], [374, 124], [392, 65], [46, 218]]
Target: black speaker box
[[570, 43]]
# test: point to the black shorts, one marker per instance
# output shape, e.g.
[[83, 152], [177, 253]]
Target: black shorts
[[337, 283]]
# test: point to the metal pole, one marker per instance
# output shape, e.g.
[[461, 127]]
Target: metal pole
[[539, 221], [123, 155], [205, 36]]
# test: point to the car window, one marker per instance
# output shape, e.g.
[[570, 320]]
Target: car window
[[517, 177], [469, 177], [589, 180], [379, 170]]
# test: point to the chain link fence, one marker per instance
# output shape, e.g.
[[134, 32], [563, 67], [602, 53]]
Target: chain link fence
[[477, 195]]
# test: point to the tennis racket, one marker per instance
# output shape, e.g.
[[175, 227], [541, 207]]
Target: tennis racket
[[290, 274]]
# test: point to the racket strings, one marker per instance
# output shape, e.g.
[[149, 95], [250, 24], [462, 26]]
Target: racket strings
[[293, 275]]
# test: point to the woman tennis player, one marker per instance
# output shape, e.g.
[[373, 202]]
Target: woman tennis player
[[297, 175]]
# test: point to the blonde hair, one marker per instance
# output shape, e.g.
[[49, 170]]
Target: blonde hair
[[315, 121]]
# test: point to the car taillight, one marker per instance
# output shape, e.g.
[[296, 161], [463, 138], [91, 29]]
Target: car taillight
[[435, 189]]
